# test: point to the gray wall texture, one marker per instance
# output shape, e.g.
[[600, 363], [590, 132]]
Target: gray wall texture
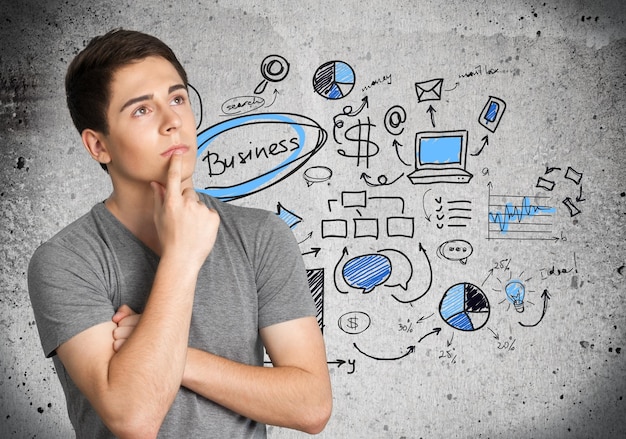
[[447, 156]]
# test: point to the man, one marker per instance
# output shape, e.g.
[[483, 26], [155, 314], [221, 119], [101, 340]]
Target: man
[[156, 305]]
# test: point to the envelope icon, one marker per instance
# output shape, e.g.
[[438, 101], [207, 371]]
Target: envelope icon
[[429, 90]]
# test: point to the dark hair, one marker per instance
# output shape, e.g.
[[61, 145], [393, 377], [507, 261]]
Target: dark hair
[[89, 75]]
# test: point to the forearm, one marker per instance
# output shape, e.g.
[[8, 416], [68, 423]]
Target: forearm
[[284, 396], [145, 375]]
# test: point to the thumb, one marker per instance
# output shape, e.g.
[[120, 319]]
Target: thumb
[[122, 312]]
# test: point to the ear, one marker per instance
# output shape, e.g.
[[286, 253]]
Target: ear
[[96, 146]]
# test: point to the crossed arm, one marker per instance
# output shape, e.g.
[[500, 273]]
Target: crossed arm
[[131, 379], [294, 393]]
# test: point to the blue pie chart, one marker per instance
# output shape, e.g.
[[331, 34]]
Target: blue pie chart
[[464, 307], [334, 80]]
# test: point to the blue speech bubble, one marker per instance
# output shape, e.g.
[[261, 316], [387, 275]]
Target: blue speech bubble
[[367, 271]]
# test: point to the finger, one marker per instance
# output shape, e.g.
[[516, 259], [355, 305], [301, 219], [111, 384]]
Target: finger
[[117, 344], [174, 173], [191, 193], [122, 332], [122, 312], [131, 321]]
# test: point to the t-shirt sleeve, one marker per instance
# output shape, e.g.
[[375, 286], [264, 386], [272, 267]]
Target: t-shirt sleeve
[[67, 295], [282, 285]]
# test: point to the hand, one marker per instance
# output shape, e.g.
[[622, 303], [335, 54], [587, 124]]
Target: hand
[[126, 320], [185, 226]]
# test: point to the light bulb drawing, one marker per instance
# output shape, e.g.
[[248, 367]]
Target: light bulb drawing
[[515, 293], [515, 290]]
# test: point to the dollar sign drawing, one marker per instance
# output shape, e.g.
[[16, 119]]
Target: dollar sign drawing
[[365, 147], [352, 323]]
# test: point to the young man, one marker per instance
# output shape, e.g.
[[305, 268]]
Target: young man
[[156, 305]]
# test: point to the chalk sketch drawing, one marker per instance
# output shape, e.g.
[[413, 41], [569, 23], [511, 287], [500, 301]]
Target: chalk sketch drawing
[[455, 250], [465, 307], [368, 227], [515, 293], [315, 278], [274, 68], [317, 174], [289, 217], [492, 113], [572, 175], [520, 219], [347, 111], [388, 267], [429, 90], [394, 118], [354, 322], [360, 134], [440, 157], [276, 145], [334, 80]]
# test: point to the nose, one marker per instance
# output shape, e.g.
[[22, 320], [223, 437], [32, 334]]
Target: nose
[[171, 120]]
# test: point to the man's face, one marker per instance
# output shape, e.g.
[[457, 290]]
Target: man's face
[[149, 117]]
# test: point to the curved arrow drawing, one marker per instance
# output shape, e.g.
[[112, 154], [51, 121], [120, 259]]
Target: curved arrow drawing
[[275, 93], [382, 180], [424, 206], [434, 331], [485, 143], [314, 251], [409, 351], [340, 284], [395, 145], [430, 281], [546, 298]]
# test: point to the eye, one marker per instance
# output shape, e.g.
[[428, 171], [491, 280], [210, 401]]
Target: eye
[[141, 111], [178, 100]]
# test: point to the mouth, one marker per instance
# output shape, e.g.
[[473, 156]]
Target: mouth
[[175, 149]]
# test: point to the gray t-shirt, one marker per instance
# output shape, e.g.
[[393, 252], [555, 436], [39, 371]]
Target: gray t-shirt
[[254, 277]]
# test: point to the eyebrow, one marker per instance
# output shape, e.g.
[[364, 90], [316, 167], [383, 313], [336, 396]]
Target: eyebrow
[[132, 101]]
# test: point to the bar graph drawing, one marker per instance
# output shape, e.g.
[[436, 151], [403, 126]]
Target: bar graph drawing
[[519, 217]]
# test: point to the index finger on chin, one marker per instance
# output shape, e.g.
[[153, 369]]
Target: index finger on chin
[[174, 173]]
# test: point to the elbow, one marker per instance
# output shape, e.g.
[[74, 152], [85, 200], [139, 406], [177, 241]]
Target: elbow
[[317, 418], [134, 426]]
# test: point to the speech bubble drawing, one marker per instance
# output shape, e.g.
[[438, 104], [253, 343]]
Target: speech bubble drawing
[[250, 153], [455, 250], [402, 269], [366, 272]]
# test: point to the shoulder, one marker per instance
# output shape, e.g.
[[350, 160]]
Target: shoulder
[[256, 229], [246, 220], [76, 241]]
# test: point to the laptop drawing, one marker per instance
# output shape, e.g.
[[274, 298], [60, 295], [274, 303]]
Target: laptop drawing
[[440, 157]]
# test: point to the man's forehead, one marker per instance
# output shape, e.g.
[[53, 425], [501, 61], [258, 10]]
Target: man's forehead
[[141, 72]]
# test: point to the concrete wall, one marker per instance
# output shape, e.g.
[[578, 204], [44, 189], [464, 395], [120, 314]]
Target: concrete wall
[[545, 205]]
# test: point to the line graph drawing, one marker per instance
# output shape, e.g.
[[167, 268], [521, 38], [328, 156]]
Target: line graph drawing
[[519, 217]]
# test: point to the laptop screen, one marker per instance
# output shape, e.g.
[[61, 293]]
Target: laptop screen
[[444, 149]]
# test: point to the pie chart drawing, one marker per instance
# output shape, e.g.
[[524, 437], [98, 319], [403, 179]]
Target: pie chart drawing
[[465, 307], [334, 80]]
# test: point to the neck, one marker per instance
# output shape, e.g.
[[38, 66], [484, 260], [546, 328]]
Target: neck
[[135, 209]]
